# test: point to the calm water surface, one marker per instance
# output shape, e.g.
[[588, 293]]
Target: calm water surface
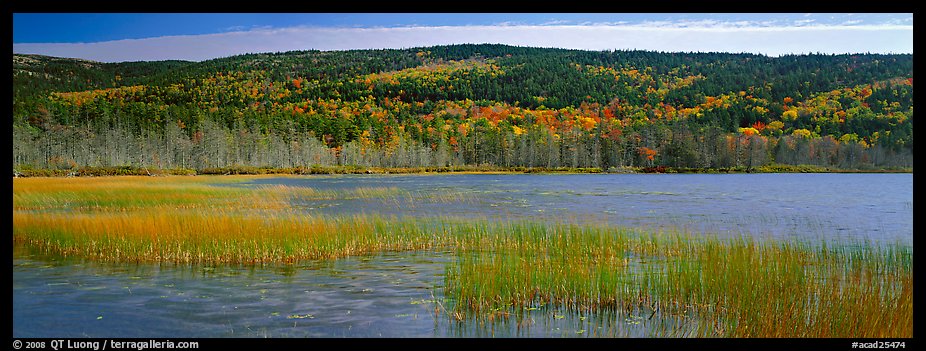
[[391, 295], [395, 295], [873, 207]]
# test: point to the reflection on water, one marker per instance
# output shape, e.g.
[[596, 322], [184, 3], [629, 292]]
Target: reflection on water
[[390, 295], [357, 297]]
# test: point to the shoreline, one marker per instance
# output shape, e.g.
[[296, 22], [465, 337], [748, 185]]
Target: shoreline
[[331, 170]]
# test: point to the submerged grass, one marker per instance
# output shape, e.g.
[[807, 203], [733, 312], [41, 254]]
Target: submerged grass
[[716, 286]]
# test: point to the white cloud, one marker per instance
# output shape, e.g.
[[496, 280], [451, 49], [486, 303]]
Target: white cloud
[[555, 22], [701, 35], [510, 23], [901, 21]]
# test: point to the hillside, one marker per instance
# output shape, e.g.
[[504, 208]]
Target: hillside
[[466, 105]]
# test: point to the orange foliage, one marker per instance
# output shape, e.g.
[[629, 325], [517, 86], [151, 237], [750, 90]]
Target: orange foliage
[[650, 154]]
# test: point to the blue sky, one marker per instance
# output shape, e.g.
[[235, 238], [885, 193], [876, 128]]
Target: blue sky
[[115, 37]]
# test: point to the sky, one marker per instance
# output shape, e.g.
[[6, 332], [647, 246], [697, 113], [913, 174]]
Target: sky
[[118, 37]]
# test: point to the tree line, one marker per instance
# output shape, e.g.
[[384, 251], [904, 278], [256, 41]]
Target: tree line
[[452, 105]]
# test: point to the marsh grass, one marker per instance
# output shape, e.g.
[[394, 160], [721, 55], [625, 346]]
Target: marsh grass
[[733, 287], [143, 193], [692, 284], [121, 193]]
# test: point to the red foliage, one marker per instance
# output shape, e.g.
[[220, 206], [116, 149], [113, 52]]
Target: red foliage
[[657, 169], [759, 126]]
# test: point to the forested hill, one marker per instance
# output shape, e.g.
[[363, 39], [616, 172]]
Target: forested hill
[[466, 105]]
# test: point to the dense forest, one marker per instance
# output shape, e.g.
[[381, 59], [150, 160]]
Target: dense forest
[[479, 105]]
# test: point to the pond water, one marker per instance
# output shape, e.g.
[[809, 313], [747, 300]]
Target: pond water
[[869, 207], [390, 295], [396, 294]]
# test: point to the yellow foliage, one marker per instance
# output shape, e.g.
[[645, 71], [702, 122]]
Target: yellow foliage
[[775, 125], [803, 133], [587, 122], [848, 138]]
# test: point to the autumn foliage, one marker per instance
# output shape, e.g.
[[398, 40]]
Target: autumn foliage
[[487, 101]]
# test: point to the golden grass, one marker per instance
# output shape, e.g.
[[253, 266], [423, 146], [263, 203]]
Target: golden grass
[[127, 192], [170, 235]]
